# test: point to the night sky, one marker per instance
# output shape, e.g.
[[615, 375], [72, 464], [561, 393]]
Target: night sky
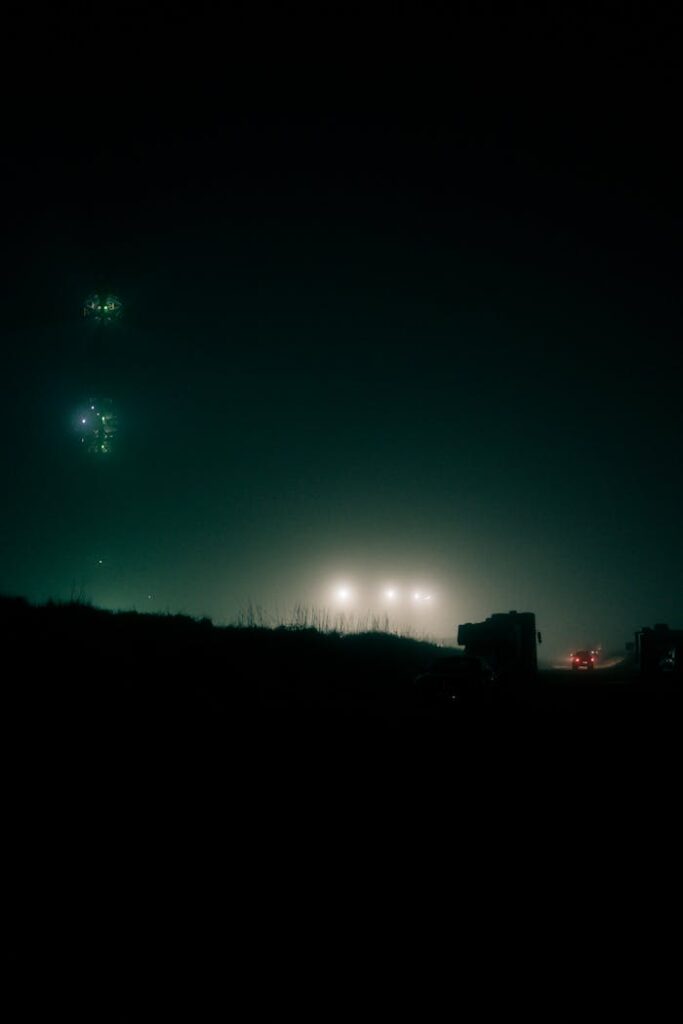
[[411, 320]]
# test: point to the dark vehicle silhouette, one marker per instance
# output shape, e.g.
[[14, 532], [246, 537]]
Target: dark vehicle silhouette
[[458, 679], [668, 662], [660, 651], [583, 659], [507, 641]]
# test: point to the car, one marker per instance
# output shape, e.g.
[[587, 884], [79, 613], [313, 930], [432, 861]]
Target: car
[[583, 659], [456, 679], [668, 662]]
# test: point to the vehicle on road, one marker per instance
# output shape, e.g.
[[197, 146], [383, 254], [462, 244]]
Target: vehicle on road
[[583, 659], [668, 662], [659, 651], [507, 641], [457, 679]]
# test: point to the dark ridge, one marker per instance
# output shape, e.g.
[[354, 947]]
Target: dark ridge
[[74, 652]]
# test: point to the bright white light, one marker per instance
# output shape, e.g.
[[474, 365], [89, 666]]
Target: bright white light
[[416, 595], [343, 593], [390, 594], [83, 421]]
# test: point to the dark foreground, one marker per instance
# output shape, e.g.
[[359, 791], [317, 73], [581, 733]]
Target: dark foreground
[[97, 672], [200, 818]]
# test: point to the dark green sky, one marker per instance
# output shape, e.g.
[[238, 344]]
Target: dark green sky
[[433, 342]]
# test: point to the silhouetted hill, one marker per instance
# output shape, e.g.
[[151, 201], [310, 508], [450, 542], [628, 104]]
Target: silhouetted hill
[[164, 659], [154, 758], [73, 653], [109, 699]]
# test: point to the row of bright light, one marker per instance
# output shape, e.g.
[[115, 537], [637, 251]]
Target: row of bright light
[[345, 594]]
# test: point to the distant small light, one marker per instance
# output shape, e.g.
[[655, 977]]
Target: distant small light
[[390, 594], [83, 421]]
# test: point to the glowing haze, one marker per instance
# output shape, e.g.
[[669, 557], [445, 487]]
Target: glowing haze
[[402, 369]]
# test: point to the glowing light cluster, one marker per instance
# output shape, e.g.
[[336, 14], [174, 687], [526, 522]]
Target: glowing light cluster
[[98, 425], [388, 595], [97, 421], [103, 310]]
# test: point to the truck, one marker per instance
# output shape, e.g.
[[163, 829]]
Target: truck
[[659, 652], [507, 641]]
